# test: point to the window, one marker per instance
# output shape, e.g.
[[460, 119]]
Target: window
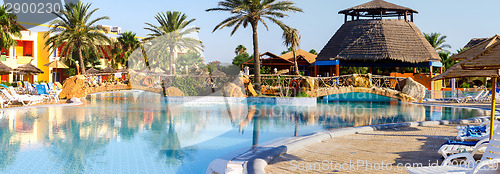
[[55, 52], [14, 52]]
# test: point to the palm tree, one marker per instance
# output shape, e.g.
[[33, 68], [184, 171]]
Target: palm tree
[[9, 28], [292, 40], [172, 33], [240, 50], [75, 32], [252, 12], [123, 48], [437, 41]]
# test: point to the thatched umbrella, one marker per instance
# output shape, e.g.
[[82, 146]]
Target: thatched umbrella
[[92, 71], [218, 73], [4, 69], [108, 70], [56, 64], [486, 61], [29, 69]]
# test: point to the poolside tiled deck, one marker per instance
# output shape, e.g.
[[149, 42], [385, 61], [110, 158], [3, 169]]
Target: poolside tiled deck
[[406, 145]]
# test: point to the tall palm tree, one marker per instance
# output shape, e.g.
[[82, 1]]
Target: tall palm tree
[[8, 28], [240, 49], [74, 32], [437, 41], [245, 12], [123, 48], [292, 40], [173, 34]]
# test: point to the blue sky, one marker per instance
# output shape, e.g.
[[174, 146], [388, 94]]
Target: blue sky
[[460, 20]]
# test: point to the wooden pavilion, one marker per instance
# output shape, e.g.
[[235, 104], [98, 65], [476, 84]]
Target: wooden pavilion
[[377, 34], [271, 60]]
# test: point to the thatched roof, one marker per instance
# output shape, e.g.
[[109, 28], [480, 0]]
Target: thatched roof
[[108, 70], [29, 69], [377, 5], [218, 73], [489, 59], [456, 71], [379, 41], [476, 49], [123, 70], [474, 41], [309, 57], [92, 71], [4, 69]]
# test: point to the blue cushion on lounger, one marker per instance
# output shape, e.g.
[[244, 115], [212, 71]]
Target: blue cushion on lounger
[[465, 143], [5, 86]]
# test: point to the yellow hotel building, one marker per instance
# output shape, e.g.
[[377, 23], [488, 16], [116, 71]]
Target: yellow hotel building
[[31, 48]]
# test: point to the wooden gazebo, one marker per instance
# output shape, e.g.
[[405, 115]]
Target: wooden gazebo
[[378, 34]]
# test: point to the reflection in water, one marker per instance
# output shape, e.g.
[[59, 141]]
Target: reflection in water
[[143, 132], [8, 148]]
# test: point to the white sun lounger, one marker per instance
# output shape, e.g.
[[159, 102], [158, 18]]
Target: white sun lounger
[[450, 149], [24, 99], [487, 164]]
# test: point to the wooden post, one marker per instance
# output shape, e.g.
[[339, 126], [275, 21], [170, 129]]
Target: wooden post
[[381, 14], [315, 71], [357, 15], [337, 70], [493, 103], [406, 16], [440, 70], [411, 15], [370, 70], [431, 74], [414, 70], [345, 18]]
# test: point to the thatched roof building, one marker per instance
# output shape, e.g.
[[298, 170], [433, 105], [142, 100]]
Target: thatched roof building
[[371, 39], [474, 41], [379, 41]]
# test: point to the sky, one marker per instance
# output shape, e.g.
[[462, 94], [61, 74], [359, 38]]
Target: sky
[[460, 20]]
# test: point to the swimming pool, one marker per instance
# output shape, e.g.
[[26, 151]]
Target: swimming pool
[[141, 132]]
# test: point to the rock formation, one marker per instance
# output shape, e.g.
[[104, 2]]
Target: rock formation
[[415, 89]]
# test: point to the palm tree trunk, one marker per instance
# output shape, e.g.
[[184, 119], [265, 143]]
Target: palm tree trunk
[[256, 56], [80, 55], [295, 62], [172, 71]]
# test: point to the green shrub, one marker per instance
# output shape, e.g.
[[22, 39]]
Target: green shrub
[[465, 85]]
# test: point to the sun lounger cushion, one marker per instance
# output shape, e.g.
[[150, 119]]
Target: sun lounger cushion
[[2, 85], [465, 143]]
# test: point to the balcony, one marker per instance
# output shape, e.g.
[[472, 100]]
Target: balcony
[[24, 59]]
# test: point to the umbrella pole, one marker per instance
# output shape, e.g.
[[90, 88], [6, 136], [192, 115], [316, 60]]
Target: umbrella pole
[[493, 102]]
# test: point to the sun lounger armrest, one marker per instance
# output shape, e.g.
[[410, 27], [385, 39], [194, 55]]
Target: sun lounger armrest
[[448, 160], [483, 163], [477, 147]]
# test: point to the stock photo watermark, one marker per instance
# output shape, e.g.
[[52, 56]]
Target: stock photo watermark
[[364, 165]]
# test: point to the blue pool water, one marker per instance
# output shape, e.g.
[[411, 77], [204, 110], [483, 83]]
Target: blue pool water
[[141, 132]]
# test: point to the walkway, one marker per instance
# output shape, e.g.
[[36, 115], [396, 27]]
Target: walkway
[[406, 145]]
